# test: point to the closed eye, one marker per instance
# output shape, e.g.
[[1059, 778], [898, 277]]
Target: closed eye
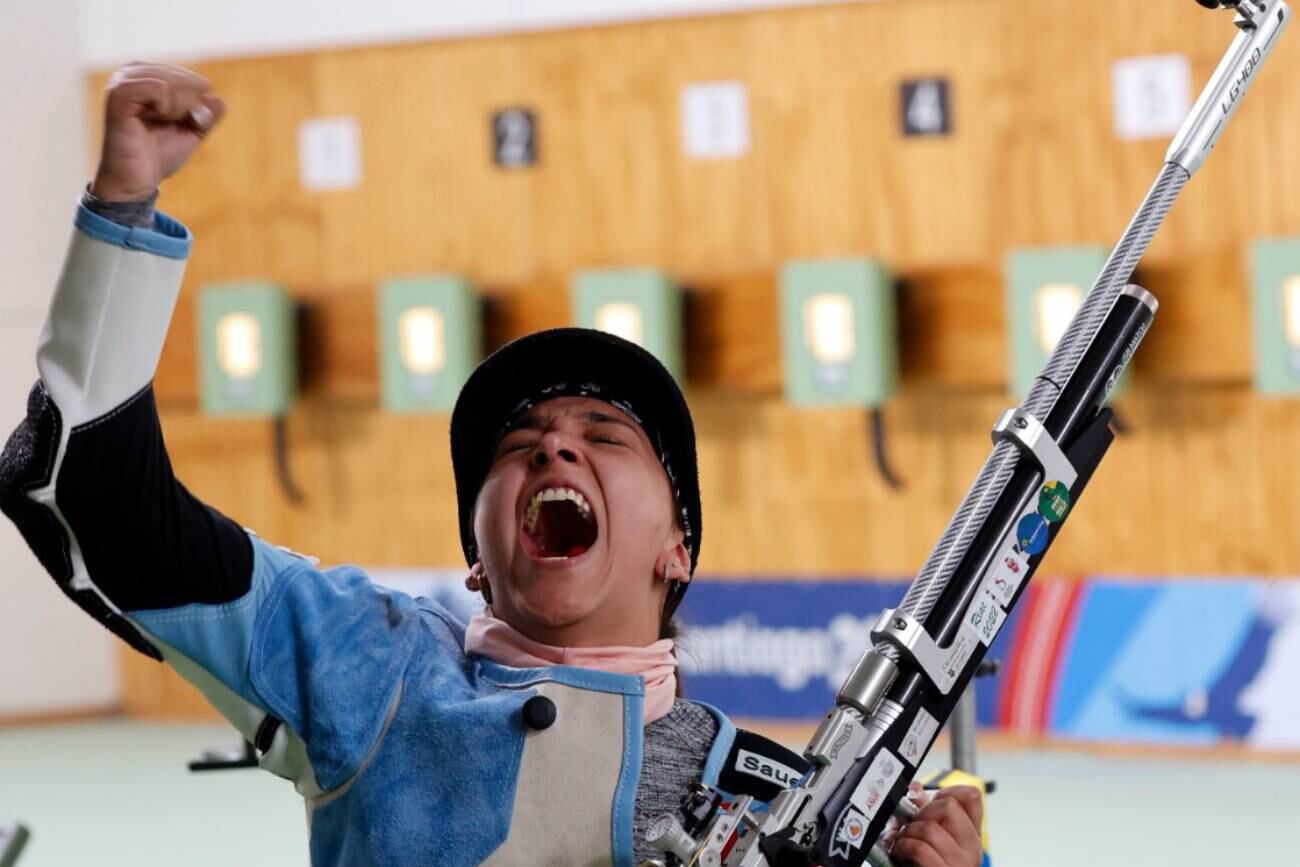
[[514, 445]]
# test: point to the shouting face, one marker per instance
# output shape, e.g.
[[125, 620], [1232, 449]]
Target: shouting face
[[575, 525]]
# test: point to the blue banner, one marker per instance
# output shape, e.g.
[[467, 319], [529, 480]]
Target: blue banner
[[777, 649]]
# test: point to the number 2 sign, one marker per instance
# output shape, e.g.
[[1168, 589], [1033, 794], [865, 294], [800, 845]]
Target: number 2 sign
[[514, 137]]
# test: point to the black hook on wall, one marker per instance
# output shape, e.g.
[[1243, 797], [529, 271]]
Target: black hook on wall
[[280, 445], [877, 415], [307, 342]]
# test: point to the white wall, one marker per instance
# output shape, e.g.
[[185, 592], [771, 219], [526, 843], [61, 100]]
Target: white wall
[[52, 656], [117, 30]]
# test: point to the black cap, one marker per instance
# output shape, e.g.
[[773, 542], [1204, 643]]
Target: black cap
[[566, 362]]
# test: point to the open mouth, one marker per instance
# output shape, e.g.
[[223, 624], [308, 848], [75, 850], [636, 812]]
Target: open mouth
[[559, 524]]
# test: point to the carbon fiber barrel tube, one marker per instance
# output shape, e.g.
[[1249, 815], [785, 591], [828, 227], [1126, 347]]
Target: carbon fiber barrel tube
[[997, 470]]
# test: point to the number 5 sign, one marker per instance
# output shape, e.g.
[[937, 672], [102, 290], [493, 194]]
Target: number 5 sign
[[514, 137]]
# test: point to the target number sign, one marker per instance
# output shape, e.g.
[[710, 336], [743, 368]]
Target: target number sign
[[926, 106], [514, 137]]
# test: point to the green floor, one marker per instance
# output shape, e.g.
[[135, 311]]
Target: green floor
[[117, 794]]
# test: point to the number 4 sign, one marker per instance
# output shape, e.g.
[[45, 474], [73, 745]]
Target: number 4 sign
[[926, 107]]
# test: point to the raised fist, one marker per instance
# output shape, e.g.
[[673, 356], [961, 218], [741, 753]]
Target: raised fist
[[155, 117]]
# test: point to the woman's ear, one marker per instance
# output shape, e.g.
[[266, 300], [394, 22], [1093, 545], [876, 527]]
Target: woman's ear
[[477, 582], [674, 564]]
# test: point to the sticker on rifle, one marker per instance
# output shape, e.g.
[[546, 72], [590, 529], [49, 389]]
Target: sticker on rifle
[[875, 785], [985, 617], [1054, 502], [851, 832], [962, 647], [1031, 534], [1007, 573], [919, 735]]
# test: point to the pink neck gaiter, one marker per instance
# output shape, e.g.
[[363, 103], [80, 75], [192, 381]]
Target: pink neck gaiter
[[503, 644]]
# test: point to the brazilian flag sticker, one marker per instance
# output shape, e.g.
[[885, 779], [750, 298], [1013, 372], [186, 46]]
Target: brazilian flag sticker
[[1054, 502]]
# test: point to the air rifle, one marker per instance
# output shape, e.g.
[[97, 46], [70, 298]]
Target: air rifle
[[925, 652]]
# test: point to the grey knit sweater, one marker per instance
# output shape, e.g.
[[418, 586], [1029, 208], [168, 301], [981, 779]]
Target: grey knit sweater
[[676, 745]]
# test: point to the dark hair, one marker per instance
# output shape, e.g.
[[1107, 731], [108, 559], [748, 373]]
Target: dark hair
[[669, 628]]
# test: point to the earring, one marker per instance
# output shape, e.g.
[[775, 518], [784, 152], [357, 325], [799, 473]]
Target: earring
[[667, 577]]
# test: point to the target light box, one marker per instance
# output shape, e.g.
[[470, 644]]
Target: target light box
[[839, 332], [248, 358], [430, 340], [1275, 284], [642, 305], [1045, 288]]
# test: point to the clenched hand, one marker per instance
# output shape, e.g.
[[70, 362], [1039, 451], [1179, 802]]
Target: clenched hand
[[155, 117]]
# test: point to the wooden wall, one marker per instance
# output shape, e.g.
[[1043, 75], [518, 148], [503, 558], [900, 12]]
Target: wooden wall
[[1202, 486]]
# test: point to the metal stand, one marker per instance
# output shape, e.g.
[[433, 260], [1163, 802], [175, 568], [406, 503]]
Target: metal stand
[[13, 838], [961, 731], [227, 759]]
